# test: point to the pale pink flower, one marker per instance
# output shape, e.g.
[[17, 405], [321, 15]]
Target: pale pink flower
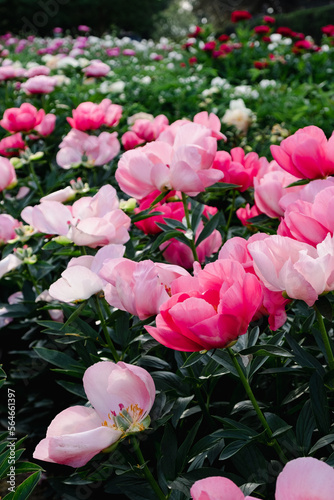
[[150, 129], [49, 217], [22, 119], [80, 280], [210, 121], [296, 268], [112, 112], [307, 154], [7, 174], [47, 125], [217, 488], [96, 69], [184, 166], [62, 195], [36, 71], [78, 147], [40, 84], [10, 72], [121, 395], [138, 287], [7, 228], [15, 298], [9, 263], [270, 185]]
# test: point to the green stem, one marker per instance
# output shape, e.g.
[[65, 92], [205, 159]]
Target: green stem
[[146, 470], [105, 329], [187, 215], [325, 338], [230, 214], [256, 407]]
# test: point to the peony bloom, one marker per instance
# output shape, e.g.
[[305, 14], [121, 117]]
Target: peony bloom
[[150, 129], [310, 216], [121, 396], [87, 116], [296, 268], [37, 71], [238, 115], [138, 287], [184, 166], [244, 214], [307, 154], [270, 186], [212, 122], [10, 72], [7, 174], [210, 310], [78, 147], [40, 84], [22, 119], [240, 15], [130, 140], [237, 167], [7, 228], [12, 145], [47, 125], [273, 304], [96, 69], [80, 280], [112, 112], [172, 210], [92, 221], [301, 479]]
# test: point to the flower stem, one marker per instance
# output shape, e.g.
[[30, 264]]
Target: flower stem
[[325, 338], [105, 330], [35, 179], [256, 407], [186, 213], [146, 470]]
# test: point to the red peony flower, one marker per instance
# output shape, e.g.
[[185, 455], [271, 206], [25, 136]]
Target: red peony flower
[[240, 15]]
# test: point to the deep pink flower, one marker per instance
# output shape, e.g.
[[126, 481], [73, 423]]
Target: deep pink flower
[[307, 154], [121, 395], [12, 145], [240, 15], [285, 31], [210, 310], [87, 116], [47, 125], [269, 19], [244, 214], [328, 30], [262, 29], [172, 210], [149, 130], [238, 168], [130, 140], [112, 112], [22, 119]]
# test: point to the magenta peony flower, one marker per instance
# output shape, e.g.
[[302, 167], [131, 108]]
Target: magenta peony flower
[[22, 119]]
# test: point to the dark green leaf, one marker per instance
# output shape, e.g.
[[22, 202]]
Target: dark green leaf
[[319, 403], [231, 449], [305, 427], [324, 441], [266, 350], [209, 227]]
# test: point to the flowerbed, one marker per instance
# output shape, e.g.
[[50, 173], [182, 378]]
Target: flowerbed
[[167, 266]]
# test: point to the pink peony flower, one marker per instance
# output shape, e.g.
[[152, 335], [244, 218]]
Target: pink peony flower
[[7, 174], [138, 287], [22, 119], [149, 130], [121, 395], [237, 167], [78, 147], [270, 185], [40, 84], [112, 112], [130, 140], [37, 71], [296, 268], [80, 280], [47, 125], [96, 69], [240, 15], [184, 166], [307, 154], [244, 214], [87, 116], [10, 73], [12, 145], [210, 121], [210, 310], [7, 228], [301, 479], [273, 304]]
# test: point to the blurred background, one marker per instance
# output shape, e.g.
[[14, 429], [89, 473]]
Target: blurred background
[[153, 19]]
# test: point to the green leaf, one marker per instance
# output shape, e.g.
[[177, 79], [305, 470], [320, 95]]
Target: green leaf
[[184, 448], [303, 357], [302, 182], [57, 358], [144, 214], [209, 227], [324, 306], [305, 427], [25, 489], [167, 462], [266, 350], [196, 216], [231, 449], [179, 407], [165, 237], [324, 441], [171, 224], [319, 403]]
